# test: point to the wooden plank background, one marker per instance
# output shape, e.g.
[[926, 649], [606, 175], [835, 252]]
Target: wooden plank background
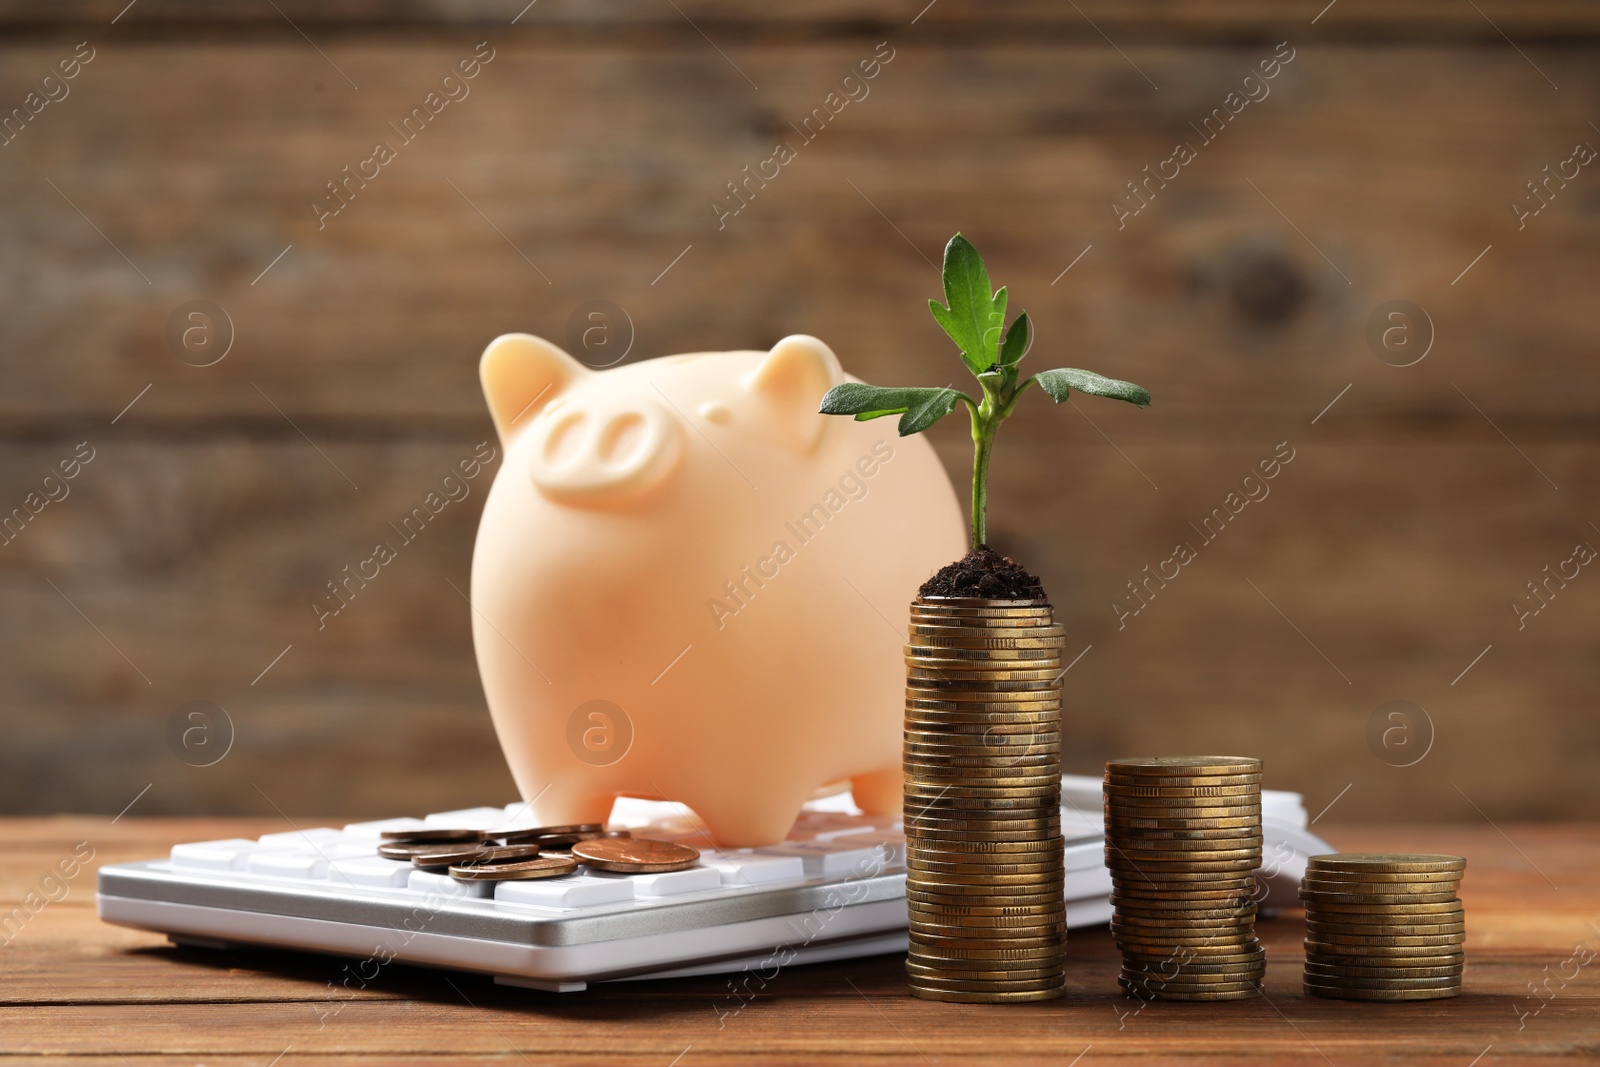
[[587, 156]]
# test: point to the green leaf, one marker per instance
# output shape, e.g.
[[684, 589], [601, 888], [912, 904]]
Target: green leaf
[[975, 314], [1017, 340], [1060, 382], [919, 407]]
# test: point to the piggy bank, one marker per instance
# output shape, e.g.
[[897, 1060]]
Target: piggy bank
[[688, 585]]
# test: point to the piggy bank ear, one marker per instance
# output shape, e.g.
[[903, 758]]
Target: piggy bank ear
[[520, 374], [793, 378]]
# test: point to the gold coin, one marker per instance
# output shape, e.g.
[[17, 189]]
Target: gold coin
[[1182, 782], [928, 917], [1447, 956], [635, 855], [1378, 929], [983, 894], [1314, 896], [1342, 943], [940, 822], [1183, 765], [1387, 863], [1383, 912], [931, 873], [948, 977], [1244, 992], [1172, 807], [1185, 915], [1048, 951], [1158, 982], [926, 705], [1163, 794], [1030, 847], [1216, 851], [966, 644], [1380, 969], [1025, 806], [987, 628], [1116, 824], [1335, 993], [1384, 883], [1327, 950], [933, 840], [1225, 896], [927, 787], [515, 870], [954, 996], [936, 654]]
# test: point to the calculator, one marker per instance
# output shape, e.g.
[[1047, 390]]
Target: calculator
[[834, 889]]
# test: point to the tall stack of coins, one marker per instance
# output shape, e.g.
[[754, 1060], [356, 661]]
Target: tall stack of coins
[[1183, 841], [983, 800], [1384, 927]]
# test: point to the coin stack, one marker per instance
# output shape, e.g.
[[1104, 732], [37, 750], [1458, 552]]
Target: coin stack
[[1183, 841], [983, 800], [1384, 927]]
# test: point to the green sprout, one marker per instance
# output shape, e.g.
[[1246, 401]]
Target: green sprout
[[974, 317]]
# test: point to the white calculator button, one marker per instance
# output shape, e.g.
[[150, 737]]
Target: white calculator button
[[571, 891], [740, 869], [228, 854], [845, 831], [376, 827], [371, 870], [288, 863], [445, 886], [316, 835], [671, 883], [467, 818], [831, 859]]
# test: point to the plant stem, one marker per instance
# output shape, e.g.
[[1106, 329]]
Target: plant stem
[[982, 441]]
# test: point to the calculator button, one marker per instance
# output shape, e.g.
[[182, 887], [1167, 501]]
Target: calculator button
[[224, 855], [572, 891]]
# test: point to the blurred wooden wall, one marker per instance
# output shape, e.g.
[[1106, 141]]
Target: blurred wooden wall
[[1382, 165]]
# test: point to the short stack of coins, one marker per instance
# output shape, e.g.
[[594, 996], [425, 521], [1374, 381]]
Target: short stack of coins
[[1384, 927], [1183, 841], [984, 881]]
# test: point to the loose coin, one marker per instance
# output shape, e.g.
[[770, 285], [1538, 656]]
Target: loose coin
[[635, 855], [427, 836], [516, 870], [476, 854]]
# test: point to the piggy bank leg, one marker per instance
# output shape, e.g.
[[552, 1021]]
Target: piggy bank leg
[[562, 807], [878, 792], [762, 817]]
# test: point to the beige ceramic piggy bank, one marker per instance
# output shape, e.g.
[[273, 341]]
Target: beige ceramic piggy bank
[[688, 585]]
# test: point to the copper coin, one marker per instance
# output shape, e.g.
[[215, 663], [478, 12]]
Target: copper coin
[[516, 870], [480, 854], [428, 836], [533, 833], [637, 855]]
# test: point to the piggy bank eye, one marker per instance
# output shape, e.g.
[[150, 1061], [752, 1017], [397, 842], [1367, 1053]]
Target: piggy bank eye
[[605, 451], [712, 411]]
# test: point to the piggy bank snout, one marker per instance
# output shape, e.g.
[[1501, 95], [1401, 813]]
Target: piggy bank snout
[[607, 449]]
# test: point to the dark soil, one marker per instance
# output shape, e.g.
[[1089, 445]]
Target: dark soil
[[984, 573]]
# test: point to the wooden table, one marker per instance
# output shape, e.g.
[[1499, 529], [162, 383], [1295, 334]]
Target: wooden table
[[79, 991]]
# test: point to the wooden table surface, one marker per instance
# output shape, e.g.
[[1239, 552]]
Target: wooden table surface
[[76, 990]]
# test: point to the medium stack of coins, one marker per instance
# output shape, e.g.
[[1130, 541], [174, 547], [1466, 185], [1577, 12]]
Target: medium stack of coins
[[1183, 841], [1382, 927], [983, 801]]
